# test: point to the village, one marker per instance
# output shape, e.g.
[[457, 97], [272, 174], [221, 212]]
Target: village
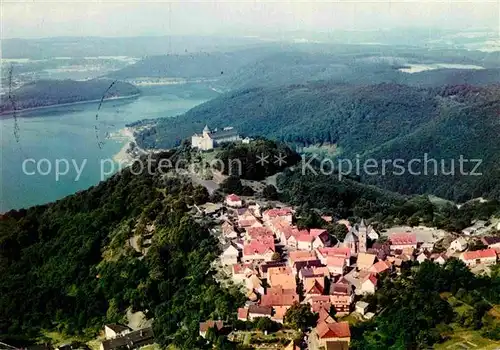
[[277, 264]]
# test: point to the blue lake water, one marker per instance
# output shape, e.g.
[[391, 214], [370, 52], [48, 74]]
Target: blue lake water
[[70, 133]]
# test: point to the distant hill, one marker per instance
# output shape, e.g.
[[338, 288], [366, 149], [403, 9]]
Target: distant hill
[[383, 121], [55, 92], [285, 63]]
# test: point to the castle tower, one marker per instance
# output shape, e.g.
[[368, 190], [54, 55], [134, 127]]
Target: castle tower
[[206, 131], [362, 236]]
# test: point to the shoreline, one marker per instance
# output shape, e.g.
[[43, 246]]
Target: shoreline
[[11, 113], [127, 155]]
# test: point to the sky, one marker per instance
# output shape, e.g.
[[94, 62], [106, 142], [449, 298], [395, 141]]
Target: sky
[[37, 18]]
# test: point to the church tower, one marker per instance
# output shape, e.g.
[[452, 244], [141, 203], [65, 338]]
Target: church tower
[[362, 236]]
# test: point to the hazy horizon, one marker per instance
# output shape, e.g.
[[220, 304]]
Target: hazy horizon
[[40, 19]]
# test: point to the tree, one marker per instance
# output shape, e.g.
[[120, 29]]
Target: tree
[[270, 192], [338, 231], [232, 185], [200, 195], [300, 317], [266, 324]]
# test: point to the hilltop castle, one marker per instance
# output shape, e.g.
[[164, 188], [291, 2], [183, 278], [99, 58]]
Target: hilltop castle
[[208, 139]]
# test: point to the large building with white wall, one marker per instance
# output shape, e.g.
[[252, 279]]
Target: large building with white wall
[[208, 140]]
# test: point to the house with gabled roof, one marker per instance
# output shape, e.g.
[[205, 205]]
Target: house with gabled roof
[[479, 257], [365, 261], [256, 232], [282, 277], [264, 268], [403, 240], [300, 255], [255, 311], [318, 302], [439, 258], [279, 297], [321, 238], [304, 241], [314, 286], [341, 252], [369, 284], [282, 213], [258, 251], [336, 265], [205, 326], [324, 316], [423, 256], [234, 201], [228, 231], [332, 332], [341, 297], [240, 272], [458, 245], [114, 330], [380, 267], [131, 340], [312, 271], [230, 255]]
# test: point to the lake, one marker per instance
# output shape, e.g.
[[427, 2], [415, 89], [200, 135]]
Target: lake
[[47, 136]]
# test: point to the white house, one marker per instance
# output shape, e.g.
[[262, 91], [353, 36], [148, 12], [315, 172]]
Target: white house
[[230, 255], [321, 238], [458, 245], [304, 242], [336, 265], [369, 285], [234, 201], [112, 331], [361, 307], [423, 257]]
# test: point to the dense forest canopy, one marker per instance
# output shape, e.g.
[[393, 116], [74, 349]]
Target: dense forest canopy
[[53, 92], [67, 266], [385, 121]]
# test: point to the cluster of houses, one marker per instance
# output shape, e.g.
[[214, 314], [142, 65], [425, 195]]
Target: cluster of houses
[[280, 264]]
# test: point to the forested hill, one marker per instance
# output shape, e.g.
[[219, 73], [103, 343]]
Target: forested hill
[[68, 266], [43, 93], [385, 121]]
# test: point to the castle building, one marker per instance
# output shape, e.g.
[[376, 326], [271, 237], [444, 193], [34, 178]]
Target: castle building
[[208, 140]]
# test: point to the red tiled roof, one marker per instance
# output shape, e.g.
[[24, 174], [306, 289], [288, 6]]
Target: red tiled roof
[[333, 330], [305, 238], [261, 310], [242, 313], [279, 299], [344, 252], [404, 238], [478, 254], [372, 278], [278, 212], [233, 197], [315, 232], [335, 261], [380, 266], [259, 231], [257, 247]]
